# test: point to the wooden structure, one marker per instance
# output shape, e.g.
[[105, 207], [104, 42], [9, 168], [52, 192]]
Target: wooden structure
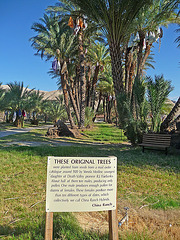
[[156, 141], [113, 225]]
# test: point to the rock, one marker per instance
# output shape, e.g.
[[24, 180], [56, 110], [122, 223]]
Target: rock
[[61, 129], [52, 132]]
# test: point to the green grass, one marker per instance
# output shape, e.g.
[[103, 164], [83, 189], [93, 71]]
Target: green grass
[[149, 178], [105, 133]]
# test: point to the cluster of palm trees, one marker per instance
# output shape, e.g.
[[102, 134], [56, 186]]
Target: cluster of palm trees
[[109, 57], [79, 70], [17, 98]]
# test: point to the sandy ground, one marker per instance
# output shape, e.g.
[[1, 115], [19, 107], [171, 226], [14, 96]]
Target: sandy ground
[[35, 144], [158, 224]]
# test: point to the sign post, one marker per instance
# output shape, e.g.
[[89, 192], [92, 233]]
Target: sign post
[[82, 184], [113, 225], [49, 226]]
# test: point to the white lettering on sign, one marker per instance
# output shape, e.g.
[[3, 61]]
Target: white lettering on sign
[[77, 184]]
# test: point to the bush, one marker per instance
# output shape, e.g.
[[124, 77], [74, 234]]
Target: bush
[[133, 110], [89, 114]]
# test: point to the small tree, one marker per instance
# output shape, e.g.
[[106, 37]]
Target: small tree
[[2, 93], [14, 100], [133, 112], [158, 91], [55, 109]]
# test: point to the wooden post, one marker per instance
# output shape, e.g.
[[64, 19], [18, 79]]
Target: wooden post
[[49, 226], [113, 225], [113, 222]]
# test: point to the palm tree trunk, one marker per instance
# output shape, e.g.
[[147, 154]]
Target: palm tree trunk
[[95, 79], [131, 77], [76, 86], [66, 99], [116, 112], [169, 118], [172, 124], [104, 108], [74, 105], [116, 62], [140, 54], [128, 62], [45, 118], [146, 54], [97, 109], [82, 81], [100, 95], [88, 99]]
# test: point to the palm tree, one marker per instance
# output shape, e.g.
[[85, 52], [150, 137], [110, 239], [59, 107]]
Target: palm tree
[[65, 10], [158, 91], [55, 109], [145, 32], [16, 95], [148, 21], [132, 117], [54, 39], [33, 103], [114, 18], [15, 99], [98, 55], [106, 90], [2, 93]]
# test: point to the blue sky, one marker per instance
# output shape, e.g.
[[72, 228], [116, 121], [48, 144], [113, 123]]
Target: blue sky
[[18, 63]]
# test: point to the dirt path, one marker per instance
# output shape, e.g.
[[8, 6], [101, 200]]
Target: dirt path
[[12, 131]]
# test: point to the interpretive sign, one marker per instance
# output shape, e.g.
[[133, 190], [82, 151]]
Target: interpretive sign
[[77, 184]]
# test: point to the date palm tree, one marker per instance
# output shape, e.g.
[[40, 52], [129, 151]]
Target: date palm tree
[[64, 11], [54, 39], [106, 92], [2, 93], [149, 20], [114, 18], [15, 99], [55, 110], [146, 31], [158, 91], [98, 55], [33, 103]]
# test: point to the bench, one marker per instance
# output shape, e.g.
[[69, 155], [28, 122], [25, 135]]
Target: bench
[[156, 141]]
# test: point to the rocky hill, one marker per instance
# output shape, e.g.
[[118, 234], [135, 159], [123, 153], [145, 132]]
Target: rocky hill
[[51, 95]]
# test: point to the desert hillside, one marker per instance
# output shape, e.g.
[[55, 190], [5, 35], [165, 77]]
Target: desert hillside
[[51, 95]]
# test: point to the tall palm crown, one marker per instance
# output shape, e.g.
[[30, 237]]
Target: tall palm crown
[[51, 35], [98, 54], [54, 39], [114, 17], [145, 32]]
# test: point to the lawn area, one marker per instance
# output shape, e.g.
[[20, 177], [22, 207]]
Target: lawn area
[[148, 183]]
